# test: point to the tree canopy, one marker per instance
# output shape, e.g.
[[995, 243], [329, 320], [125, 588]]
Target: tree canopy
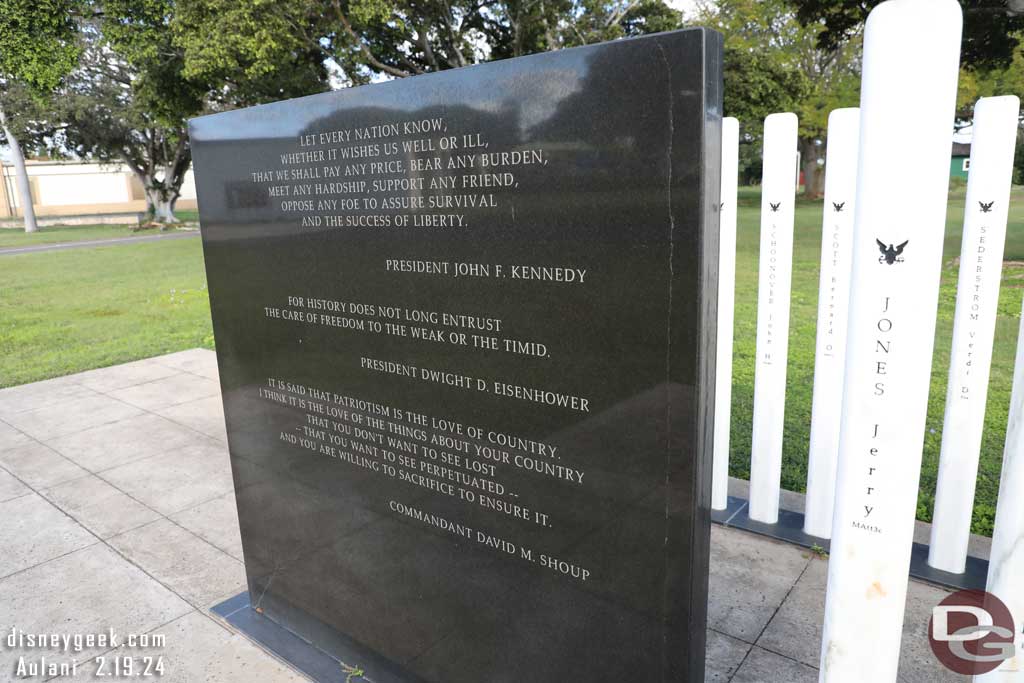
[[38, 47], [1001, 79], [775, 63], [140, 68], [145, 66], [992, 28], [38, 41], [397, 38], [130, 96]]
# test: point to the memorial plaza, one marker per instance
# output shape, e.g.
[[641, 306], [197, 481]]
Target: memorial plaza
[[512, 341], [117, 511]]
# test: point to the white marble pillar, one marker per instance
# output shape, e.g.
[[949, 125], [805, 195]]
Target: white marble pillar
[[833, 300], [974, 328], [778, 198], [908, 98], [726, 306], [1006, 559]]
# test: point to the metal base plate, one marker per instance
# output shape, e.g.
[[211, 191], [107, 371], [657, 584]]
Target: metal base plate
[[790, 528]]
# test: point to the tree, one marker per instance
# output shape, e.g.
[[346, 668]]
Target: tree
[[130, 99], [106, 116], [774, 63], [1018, 159], [397, 38], [1001, 79], [998, 80], [992, 28], [757, 85], [38, 48], [991, 57], [152, 64]]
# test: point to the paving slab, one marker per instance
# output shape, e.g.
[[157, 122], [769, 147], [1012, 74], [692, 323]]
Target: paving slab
[[205, 415], [11, 437], [99, 507], [38, 395], [117, 443], [11, 487], [215, 521], [85, 592], [39, 466], [33, 531], [185, 563], [176, 480], [762, 666], [917, 661], [73, 415], [795, 630], [750, 577], [105, 380], [723, 657], [202, 362], [180, 387], [199, 649]]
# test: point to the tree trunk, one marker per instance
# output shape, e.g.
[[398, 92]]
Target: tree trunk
[[161, 206], [21, 175], [814, 173], [160, 196]]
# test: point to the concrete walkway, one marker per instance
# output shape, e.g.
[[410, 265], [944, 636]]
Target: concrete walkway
[[117, 511], [61, 246]]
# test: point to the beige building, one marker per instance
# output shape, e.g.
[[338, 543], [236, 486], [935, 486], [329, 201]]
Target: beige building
[[77, 192]]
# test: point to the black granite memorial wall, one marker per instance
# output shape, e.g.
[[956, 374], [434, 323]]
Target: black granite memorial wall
[[465, 326]]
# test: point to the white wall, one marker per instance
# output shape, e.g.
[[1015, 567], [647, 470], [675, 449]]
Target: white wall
[[61, 185], [73, 183], [188, 186]]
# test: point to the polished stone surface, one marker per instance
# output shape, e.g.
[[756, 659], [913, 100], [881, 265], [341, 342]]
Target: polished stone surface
[[358, 516]]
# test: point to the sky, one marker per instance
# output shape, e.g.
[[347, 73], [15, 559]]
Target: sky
[[686, 5]]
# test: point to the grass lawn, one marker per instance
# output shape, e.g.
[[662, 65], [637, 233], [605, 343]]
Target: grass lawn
[[60, 234], [62, 312], [66, 311]]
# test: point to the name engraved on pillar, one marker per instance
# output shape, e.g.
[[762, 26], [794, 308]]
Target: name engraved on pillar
[[977, 294], [875, 466], [769, 336], [831, 321]]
